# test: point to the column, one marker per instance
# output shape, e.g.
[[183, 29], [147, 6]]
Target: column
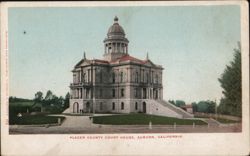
[[116, 47], [81, 93], [141, 93], [120, 47], [80, 76], [113, 47], [151, 94]]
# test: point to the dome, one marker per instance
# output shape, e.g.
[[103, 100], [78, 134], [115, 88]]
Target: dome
[[116, 29]]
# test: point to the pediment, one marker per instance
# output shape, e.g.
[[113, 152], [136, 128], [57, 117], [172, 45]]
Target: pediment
[[150, 63], [83, 62]]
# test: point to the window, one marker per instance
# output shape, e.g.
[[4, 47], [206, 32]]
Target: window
[[101, 105], [87, 93], [122, 105], [113, 91], [101, 77], [144, 91], [143, 80], [100, 93], [136, 77], [152, 77], [136, 106], [122, 92], [74, 78], [80, 93], [121, 77], [156, 79], [113, 77], [113, 106], [79, 76], [84, 77], [147, 77], [88, 75], [135, 92]]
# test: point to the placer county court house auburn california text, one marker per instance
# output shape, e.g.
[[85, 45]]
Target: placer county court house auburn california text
[[119, 83]]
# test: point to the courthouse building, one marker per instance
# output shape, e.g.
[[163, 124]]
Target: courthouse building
[[119, 82]]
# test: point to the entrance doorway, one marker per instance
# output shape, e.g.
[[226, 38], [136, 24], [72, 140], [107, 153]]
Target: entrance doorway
[[144, 109], [76, 107]]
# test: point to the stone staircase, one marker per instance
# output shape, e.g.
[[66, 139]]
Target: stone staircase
[[66, 111], [176, 109]]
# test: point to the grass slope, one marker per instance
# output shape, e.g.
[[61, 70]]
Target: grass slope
[[143, 119], [35, 120], [226, 121]]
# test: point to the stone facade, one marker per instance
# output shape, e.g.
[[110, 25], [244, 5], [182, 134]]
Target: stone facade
[[118, 83]]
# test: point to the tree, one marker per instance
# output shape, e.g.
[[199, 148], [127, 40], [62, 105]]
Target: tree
[[38, 96], [49, 96], [194, 106], [66, 100], [230, 81], [206, 106], [202, 106], [179, 103], [211, 106]]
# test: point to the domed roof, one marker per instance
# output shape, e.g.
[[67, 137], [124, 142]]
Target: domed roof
[[116, 28]]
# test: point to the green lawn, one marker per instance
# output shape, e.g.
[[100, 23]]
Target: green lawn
[[226, 121], [34, 119], [143, 119]]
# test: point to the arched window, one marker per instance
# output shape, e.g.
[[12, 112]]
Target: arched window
[[113, 106], [136, 105], [122, 92], [122, 106]]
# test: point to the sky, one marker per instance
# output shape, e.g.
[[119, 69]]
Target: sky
[[192, 43]]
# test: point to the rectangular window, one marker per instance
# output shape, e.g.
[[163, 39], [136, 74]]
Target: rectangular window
[[74, 78], [113, 77], [113, 106], [79, 76], [121, 77], [88, 75], [80, 93], [152, 77], [143, 80], [100, 77], [101, 106], [87, 93], [100, 93], [135, 93], [122, 92], [113, 92]]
